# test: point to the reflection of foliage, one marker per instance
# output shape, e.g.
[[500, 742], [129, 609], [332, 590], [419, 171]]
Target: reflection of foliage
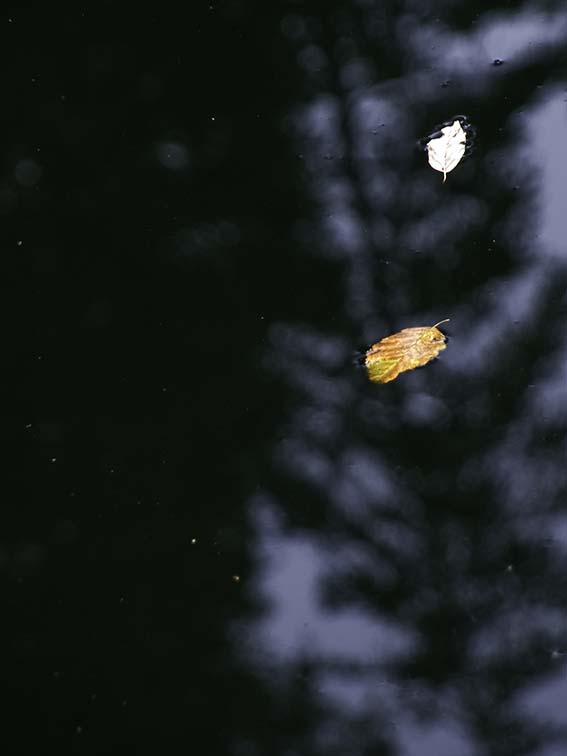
[[441, 529], [151, 291]]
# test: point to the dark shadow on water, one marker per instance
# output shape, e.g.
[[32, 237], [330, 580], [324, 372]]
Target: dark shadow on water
[[222, 532]]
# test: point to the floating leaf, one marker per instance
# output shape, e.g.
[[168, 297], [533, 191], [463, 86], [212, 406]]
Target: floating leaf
[[445, 151], [406, 350]]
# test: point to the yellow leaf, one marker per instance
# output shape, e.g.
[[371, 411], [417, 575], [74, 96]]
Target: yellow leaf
[[403, 351]]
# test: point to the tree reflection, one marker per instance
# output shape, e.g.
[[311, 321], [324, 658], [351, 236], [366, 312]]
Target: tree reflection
[[435, 499], [202, 254]]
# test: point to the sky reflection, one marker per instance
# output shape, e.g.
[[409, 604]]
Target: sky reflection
[[416, 584]]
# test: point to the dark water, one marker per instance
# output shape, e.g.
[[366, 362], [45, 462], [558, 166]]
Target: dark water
[[217, 537]]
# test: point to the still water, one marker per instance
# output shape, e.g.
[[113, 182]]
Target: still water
[[225, 539]]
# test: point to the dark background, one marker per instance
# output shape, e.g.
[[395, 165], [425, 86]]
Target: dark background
[[204, 210]]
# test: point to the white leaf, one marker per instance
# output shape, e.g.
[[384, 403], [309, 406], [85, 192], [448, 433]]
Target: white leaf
[[445, 151]]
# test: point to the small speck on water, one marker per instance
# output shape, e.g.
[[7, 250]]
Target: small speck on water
[[236, 578]]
